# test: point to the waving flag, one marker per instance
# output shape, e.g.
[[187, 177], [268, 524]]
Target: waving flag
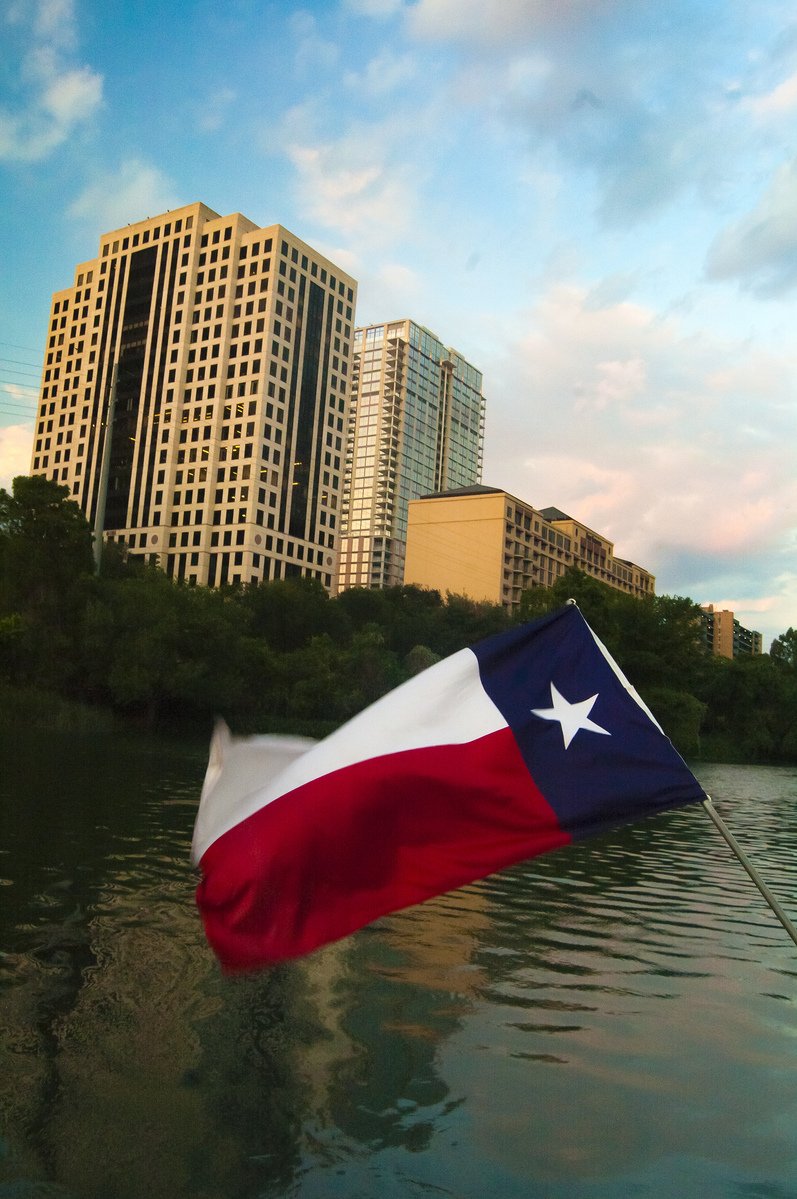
[[525, 742]]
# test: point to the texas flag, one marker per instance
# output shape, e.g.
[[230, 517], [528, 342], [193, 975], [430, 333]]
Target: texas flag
[[519, 745]]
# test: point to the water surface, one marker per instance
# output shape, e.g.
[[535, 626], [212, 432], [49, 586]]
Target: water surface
[[616, 1019]]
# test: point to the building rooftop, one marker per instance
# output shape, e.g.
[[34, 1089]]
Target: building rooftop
[[475, 489]]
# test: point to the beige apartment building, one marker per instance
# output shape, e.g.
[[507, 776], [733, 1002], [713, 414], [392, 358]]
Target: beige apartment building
[[487, 544], [195, 396], [416, 426], [726, 637]]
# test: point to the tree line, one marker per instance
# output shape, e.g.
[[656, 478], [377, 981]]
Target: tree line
[[285, 656]]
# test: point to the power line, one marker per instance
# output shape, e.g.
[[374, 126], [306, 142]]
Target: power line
[[23, 374], [24, 387], [16, 362], [8, 395], [29, 403], [35, 365], [26, 416], [13, 346]]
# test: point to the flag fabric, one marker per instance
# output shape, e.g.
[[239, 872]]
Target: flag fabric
[[519, 745]]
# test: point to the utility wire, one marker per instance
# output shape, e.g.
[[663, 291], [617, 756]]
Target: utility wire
[[29, 396], [16, 362], [12, 345], [22, 417], [23, 374], [18, 400], [17, 393]]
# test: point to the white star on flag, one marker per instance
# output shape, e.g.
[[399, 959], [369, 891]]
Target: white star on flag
[[571, 717]]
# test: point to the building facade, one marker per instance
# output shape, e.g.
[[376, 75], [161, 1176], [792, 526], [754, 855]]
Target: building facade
[[488, 545], [726, 637], [416, 425], [195, 396]]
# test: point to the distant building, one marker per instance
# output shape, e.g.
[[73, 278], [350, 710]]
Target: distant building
[[487, 544], [231, 350], [726, 637], [416, 425]]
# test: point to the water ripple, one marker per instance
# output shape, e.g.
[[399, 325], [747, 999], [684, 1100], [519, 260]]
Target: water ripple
[[581, 1026]]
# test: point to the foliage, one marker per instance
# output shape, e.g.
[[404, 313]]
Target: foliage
[[165, 653], [29, 707], [656, 640], [285, 656], [752, 706], [45, 544], [45, 564], [680, 715], [784, 649]]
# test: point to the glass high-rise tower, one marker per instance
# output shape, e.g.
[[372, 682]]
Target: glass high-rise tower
[[416, 426], [195, 396]]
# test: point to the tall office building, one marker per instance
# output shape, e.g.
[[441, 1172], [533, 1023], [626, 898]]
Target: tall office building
[[416, 426], [197, 373]]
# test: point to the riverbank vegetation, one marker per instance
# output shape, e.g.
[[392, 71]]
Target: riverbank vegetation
[[130, 645]]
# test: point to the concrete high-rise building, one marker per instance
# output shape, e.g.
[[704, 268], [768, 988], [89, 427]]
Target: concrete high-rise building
[[416, 425], [227, 352], [726, 637]]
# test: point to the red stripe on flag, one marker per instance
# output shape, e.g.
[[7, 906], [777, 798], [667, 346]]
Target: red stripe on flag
[[333, 855]]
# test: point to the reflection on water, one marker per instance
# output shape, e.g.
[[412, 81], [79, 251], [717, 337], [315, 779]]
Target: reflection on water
[[613, 1020]]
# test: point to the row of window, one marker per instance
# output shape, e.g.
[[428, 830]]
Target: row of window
[[271, 542]]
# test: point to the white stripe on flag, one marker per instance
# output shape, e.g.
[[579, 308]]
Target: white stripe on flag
[[445, 705]]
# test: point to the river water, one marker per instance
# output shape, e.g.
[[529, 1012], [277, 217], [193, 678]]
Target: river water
[[613, 1020]]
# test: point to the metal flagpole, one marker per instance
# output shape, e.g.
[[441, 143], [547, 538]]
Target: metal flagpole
[[726, 833], [105, 469]]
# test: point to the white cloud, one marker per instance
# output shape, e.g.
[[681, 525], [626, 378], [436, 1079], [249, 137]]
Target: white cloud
[[118, 197], [760, 249], [770, 614], [313, 52], [16, 442], [780, 101], [616, 382], [55, 22], [501, 21], [383, 74], [59, 96], [72, 96], [378, 9], [570, 77], [213, 111], [624, 421], [391, 290], [356, 185]]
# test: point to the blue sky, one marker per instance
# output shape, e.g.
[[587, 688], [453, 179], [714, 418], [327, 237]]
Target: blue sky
[[595, 201]]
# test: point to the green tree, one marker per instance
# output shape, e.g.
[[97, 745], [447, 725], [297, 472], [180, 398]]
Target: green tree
[[680, 715], [288, 613], [168, 654], [371, 668], [363, 606], [599, 603], [411, 614], [46, 565], [45, 545], [419, 658], [752, 709], [660, 641], [467, 621], [314, 683], [784, 649]]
